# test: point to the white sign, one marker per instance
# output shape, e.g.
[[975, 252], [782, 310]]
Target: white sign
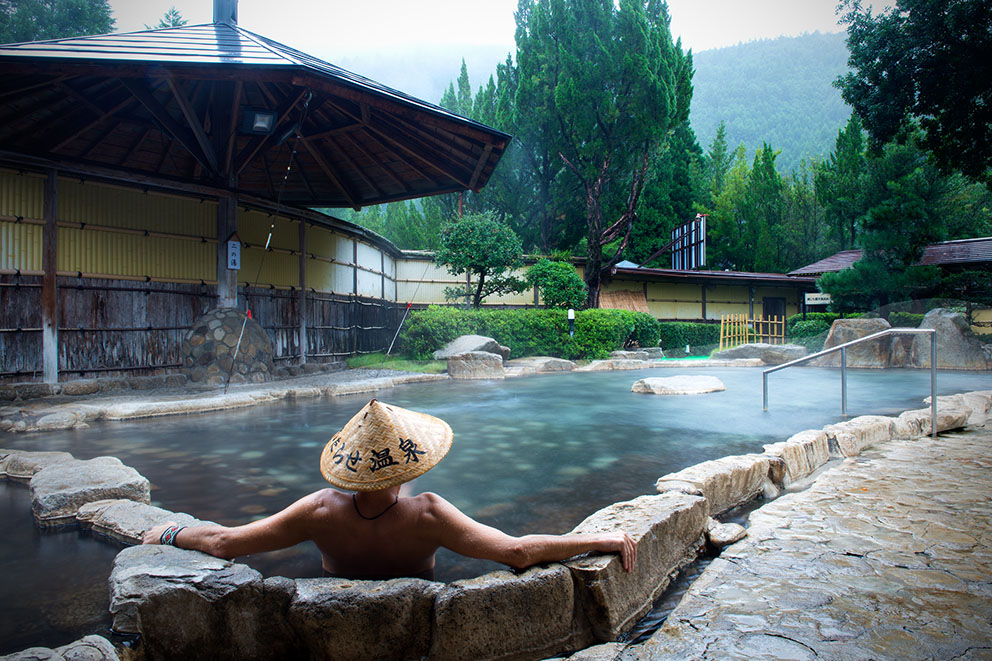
[[817, 299], [234, 255]]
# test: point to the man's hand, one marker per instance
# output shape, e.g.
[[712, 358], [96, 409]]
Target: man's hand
[[622, 543], [154, 535]]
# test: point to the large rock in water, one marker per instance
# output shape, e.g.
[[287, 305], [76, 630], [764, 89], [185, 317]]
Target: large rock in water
[[770, 354], [679, 385], [958, 347], [869, 354], [476, 365], [469, 343], [58, 491]]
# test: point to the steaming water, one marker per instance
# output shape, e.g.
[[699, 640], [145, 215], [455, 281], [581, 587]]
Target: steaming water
[[533, 454]]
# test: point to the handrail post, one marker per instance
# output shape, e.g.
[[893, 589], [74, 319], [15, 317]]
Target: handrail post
[[843, 382], [764, 391], [933, 384]]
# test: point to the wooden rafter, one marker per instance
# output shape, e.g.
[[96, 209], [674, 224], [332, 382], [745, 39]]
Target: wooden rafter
[[158, 111], [357, 145], [142, 134], [354, 166], [419, 154], [194, 123], [104, 117], [478, 168], [331, 174]]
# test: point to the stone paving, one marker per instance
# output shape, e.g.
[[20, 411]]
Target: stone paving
[[886, 556]]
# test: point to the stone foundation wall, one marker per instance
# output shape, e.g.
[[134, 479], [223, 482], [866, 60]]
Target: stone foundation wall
[[185, 602]]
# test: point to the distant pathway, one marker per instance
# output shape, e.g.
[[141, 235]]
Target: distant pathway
[[887, 556]]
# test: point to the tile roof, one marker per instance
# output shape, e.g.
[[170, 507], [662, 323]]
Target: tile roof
[[962, 251]]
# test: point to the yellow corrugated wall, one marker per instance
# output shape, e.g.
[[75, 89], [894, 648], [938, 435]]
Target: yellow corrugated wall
[[22, 195], [89, 251], [20, 246], [124, 207]]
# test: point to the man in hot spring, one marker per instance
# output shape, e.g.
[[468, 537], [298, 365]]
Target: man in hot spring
[[374, 532]]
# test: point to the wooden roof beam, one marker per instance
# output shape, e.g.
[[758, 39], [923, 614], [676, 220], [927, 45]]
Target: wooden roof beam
[[365, 152], [331, 174], [104, 117], [351, 163], [418, 154], [20, 91], [474, 181], [194, 123], [158, 111], [142, 134]]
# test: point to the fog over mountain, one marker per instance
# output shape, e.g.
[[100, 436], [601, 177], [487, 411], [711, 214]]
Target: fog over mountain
[[773, 90]]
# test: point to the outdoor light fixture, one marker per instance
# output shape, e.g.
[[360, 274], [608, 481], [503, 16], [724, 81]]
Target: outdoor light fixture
[[258, 121]]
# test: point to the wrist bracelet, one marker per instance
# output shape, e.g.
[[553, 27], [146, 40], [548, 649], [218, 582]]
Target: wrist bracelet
[[169, 535]]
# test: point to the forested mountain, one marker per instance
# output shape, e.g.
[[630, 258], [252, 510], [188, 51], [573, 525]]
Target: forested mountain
[[775, 91]]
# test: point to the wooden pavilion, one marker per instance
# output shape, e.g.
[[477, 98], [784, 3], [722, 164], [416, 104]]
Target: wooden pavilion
[[249, 134]]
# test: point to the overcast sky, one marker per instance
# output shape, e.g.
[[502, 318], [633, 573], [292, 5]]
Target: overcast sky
[[332, 29]]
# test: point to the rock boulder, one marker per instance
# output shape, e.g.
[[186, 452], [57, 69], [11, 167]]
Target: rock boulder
[[679, 385], [22, 466], [187, 604], [469, 343], [725, 483], [869, 354], [769, 354], [669, 530], [476, 365], [957, 345], [59, 490]]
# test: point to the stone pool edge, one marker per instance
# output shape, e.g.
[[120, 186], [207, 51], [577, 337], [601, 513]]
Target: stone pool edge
[[185, 600]]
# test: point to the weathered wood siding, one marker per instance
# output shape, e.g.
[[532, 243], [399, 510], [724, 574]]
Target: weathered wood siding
[[136, 269]]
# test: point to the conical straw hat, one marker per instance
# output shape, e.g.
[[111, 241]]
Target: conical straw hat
[[382, 446]]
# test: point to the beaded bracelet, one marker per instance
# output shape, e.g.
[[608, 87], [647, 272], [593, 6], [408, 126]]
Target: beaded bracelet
[[169, 535]]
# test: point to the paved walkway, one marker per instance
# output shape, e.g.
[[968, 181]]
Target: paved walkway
[[886, 556]]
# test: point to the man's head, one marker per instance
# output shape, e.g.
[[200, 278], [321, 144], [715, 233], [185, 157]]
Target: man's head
[[382, 446]]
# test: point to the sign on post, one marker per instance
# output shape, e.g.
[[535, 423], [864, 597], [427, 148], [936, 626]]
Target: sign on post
[[234, 253], [817, 299]]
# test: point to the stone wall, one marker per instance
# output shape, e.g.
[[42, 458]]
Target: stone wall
[[188, 603]]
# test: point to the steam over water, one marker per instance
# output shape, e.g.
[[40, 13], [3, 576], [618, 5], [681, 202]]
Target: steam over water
[[535, 454]]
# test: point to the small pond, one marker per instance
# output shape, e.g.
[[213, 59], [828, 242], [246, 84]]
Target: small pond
[[534, 454]]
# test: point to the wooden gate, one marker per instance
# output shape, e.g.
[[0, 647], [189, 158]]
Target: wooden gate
[[738, 329]]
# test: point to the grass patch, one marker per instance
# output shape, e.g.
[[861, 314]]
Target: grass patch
[[382, 361]]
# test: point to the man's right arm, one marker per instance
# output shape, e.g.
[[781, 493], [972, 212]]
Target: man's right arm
[[460, 533]]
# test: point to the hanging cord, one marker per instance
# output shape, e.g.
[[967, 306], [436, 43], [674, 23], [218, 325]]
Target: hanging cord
[[289, 166]]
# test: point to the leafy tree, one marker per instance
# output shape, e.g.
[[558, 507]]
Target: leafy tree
[[33, 20], [725, 243], [486, 249], [805, 226], [604, 84], [559, 284], [171, 19], [925, 61], [763, 212]]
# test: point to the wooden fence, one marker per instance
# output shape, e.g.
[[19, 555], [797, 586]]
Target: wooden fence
[[136, 327], [738, 329]]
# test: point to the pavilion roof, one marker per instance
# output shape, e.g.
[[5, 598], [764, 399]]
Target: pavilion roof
[[166, 107], [959, 253]]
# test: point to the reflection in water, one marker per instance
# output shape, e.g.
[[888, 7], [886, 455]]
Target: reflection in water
[[533, 454]]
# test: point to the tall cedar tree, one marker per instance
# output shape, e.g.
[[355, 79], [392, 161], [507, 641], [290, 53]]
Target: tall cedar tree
[[925, 61], [606, 85]]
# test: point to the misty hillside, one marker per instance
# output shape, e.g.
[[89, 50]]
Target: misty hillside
[[777, 90]]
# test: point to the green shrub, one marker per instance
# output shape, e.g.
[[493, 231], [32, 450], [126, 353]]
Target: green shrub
[[905, 319], [700, 337], [811, 333], [529, 332], [559, 284]]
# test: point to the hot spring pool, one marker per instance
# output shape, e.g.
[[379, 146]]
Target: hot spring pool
[[534, 454]]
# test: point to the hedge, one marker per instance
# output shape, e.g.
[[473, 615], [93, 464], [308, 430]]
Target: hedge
[[677, 334], [905, 319], [530, 332]]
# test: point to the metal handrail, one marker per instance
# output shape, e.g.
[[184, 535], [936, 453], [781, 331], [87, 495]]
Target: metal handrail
[[843, 368]]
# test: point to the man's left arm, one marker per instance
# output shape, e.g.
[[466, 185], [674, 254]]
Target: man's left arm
[[281, 530]]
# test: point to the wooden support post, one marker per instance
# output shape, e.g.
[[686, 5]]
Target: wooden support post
[[703, 291], [49, 297], [301, 301], [227, 279]]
